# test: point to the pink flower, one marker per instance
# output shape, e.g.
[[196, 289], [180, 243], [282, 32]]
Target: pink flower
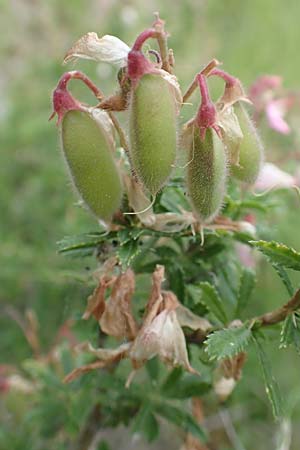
[[275, 111], [271, 177], [267, 97]]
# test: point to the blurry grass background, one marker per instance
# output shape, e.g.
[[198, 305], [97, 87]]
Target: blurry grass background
[[36, 202]]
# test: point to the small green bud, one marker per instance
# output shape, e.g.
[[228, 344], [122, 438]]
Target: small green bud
[[250, 154], [152, 131], [206, 174], [87, 147]]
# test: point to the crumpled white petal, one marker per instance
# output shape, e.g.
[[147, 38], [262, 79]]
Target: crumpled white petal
[[109, 49]]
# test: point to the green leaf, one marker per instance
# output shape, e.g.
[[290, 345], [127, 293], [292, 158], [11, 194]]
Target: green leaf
[[279, 254], [210, 297], [146, 423], [271, 385], [82, 244], [103, 445], [284, 278], [290, 332], [247, 283], [181, 385], [189, 386], [172, 379], [129, 246], [182, 419], [228, 342], [153, 369]]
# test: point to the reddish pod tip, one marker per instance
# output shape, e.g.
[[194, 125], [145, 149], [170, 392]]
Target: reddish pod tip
[[206, 117], [62, 99]]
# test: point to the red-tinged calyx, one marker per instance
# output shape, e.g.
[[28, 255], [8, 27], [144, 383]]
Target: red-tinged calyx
[[137, 64], [233, 91], [207, 113], [63, 100]]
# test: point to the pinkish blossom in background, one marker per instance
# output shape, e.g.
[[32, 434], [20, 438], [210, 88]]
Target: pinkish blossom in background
[[245, 255], [271, 177], [276, 111], [271, 100]]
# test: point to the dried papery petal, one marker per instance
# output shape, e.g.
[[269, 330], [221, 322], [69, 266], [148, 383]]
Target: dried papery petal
[[173, 349], [163, 337], [173, 222], [138, 201], [106, 356], [224, 387], [155, 297], [232, 367], [170, 301], [271, 177], [186, 318], [109, 49], [117, 319], [227, 375], [96, 301]]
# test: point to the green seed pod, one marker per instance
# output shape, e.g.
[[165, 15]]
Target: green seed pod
[[152, 131], [206, 174], [250, 149], [87, 147]]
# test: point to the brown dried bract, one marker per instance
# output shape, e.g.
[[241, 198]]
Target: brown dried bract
[[117, 319], [158, 277], [106, 357]]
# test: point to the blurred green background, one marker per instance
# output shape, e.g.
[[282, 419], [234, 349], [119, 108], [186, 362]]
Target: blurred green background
[[36, 201]]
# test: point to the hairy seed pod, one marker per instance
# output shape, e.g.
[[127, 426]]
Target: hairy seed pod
[[152, 131], [206, 174], [250, 149], [87, 147]]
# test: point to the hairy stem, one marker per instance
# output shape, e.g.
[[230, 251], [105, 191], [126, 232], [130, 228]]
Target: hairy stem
[[279, 314]]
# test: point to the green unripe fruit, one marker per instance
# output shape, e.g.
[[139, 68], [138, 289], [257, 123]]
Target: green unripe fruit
[[152, 131], [88, 151], [206, 174], [250, 149]]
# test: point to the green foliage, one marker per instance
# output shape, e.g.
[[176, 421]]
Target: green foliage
[[290, 332], [213, 302], [181, 418], [228, 342], [146, 423], [247, 283], [279, 254], [271, 385]]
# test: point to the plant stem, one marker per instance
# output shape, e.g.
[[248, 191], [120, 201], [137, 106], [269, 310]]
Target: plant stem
[[162, 40], [206, 71], [89, 429], [279, 314]]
